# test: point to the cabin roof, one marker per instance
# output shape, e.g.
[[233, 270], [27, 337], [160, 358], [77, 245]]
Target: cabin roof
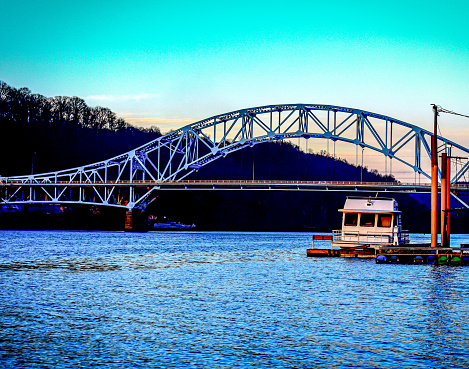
[[370, 205]]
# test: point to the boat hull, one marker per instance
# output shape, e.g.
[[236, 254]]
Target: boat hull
[[172, 227]]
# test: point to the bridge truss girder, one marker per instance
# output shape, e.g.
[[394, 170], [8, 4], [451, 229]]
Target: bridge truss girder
[[174, 156]]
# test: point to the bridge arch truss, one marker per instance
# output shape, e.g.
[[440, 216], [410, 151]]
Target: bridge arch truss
[[128, 180]]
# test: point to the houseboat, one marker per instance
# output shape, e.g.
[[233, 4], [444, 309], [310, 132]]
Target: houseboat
[[370, 222]]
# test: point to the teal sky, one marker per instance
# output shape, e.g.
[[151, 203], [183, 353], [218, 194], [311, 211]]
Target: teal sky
[[168, 63]]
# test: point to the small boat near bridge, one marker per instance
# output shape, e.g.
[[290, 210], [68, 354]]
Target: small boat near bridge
[[370, 222], [372, 228]]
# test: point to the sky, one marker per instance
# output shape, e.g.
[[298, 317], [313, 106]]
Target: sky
[[170, 63]]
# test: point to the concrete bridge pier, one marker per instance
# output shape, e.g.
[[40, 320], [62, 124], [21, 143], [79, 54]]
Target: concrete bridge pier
[[136, 221]]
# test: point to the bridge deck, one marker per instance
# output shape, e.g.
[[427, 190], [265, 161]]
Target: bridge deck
[[245, 184]]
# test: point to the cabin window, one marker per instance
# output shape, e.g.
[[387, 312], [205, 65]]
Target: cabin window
[[351, 219], [384, 220], [367, 220]]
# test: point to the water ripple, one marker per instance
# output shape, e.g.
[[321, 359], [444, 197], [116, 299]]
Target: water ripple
[[91, 299]]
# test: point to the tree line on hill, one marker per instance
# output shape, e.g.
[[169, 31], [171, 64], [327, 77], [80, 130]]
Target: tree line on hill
[[42, 134], [20, 105]]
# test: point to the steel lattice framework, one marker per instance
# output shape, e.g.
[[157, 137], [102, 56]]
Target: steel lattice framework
[[128, 180]]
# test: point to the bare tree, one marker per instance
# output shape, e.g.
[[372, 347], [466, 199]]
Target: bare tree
[[103, 118], [79, 112]]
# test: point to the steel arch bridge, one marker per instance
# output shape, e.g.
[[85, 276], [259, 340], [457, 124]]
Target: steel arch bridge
[[128, 180]]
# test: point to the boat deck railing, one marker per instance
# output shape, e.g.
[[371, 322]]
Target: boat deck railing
[[382, 238], [362, 238]]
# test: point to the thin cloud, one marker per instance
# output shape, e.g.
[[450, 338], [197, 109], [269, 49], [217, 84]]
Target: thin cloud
[[137, 97], [162, 123], [126, 115]]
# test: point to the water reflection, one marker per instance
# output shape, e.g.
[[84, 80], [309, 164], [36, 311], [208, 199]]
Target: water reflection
[[137, 262]]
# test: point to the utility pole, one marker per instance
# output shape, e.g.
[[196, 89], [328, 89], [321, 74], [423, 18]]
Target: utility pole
[[253, 163], [434, 195], [32, 162], [445, 184], [361, 176], [444, 201]]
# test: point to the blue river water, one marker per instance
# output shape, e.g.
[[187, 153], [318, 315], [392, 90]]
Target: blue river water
[[224, 300]]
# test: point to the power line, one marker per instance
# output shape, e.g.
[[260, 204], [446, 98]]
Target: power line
[[439, 109]]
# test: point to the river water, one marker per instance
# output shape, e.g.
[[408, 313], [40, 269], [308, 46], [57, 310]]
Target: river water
[[122, 300]]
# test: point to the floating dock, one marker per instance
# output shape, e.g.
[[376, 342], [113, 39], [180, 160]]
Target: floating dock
[[353, 253], [408, 254]]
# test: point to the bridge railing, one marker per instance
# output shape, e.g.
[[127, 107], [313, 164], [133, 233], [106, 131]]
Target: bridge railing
[[11, 182]]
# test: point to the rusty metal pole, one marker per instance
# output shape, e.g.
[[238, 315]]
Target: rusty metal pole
[[444, 202], [434, 203], [448, 198]]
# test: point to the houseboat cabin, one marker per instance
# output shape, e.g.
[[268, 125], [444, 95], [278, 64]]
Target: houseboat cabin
[[370, 222]]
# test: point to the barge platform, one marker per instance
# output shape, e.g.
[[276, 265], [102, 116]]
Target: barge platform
[[408, 254]]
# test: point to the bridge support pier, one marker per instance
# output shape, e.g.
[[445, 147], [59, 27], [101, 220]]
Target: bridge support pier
[[136, 221]]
